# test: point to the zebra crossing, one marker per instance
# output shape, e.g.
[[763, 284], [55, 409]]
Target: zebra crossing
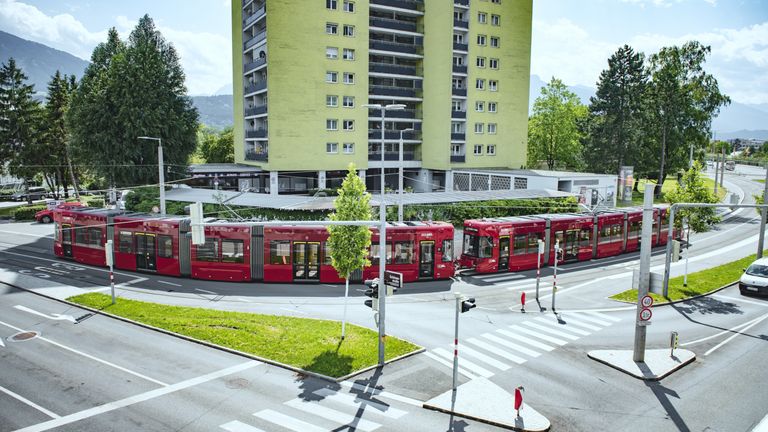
[[491, 352], [332, 410]]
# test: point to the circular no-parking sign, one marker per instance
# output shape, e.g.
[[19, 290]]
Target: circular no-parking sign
[[646, 301], [645, 314]]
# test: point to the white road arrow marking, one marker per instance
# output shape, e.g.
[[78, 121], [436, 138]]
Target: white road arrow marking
[[2, 344], [55, 317]]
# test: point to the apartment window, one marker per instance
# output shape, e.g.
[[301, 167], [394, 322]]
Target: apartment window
[[496, 1], [490, 150], [331, 28], [331, 77], [456, 105], [458, 38], [331, 101], [458, 15], [482, 17], [479, 128], [479, 106], [349, 6], [349, 101], [494, 42], [493, 63], [492, 107], [332, 147], [330, 4], [458, 61], [349, 30], [456, 127], [331, 53], [481, 62], [481, 40], [493, 85], [495, 20], [331, 124], [491, 128], [349, 125], [349, 148], [458, 83], [348, 54], [349, 78], [457, 150], [477, 150], [480, 84]]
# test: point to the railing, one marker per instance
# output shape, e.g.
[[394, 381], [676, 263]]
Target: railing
[[392, 24], [375, 134], [459, 92], [458, 114], [460, 69], [394, 46], [261, 85], [408, 155], [254, 64], [253, 156], [460, 46], [402, 4], [258, 133], [460, 23], [461, 2], [254, 40], [261, 109], [392, 69], [393, 91], [458, 136], [458, 158], [254, 16], [394, 114]]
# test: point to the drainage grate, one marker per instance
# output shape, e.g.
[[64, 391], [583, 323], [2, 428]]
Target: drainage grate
[[24, 336]]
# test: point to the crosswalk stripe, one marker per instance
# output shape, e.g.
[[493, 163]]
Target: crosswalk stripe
[[464, 349], [347, 399], [524, 339], [374, 391], [570, 319], [439, 359], [537, 334], [509, 344], [287, 421], [498, 351], [466, 364], [333, 415], [591, 319], [563, 327], [236, 426], [551, 330], [603, 316]]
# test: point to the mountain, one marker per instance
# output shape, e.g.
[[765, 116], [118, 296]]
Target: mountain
[[39, 62], [215, 111]]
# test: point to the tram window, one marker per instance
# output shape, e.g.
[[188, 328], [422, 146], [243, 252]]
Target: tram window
[[81, 235], [533, 242], [375, 254], [605, 234], [634, 229], [165, 246], [56, 232], [486, 247], [209, 251], [471, 245], [447, 250], [521, 243], [584, 238], [327, 254], [94, 237], [125, 242], [617, 233], [280, 252], [403, 253], [232, 251]]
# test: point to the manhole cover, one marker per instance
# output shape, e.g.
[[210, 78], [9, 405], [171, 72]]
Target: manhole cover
[[238, 383], [24, 336]]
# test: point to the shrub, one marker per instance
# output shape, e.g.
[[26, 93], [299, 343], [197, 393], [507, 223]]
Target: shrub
[[26, 213]]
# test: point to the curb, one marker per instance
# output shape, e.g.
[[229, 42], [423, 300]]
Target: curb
[[654, 378], [219, 347], [482, 420]]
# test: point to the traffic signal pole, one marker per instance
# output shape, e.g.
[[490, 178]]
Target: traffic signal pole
[[382, 264], [638, 354], [456, 348]]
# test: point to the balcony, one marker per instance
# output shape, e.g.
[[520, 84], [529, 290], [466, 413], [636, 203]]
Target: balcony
[[458, 158], [254, 40], [392, 24], [251, 155], [461, 23], [460, 69], [261, 109], [394, 114], [254, 64], [254, 16], [258, 133], [459, 92], [457, 136], [458, 114], [392, 69], [415, 5], [461, 2], [261, 85], [408, 155], [393, 91], [375, 134], [460, 46], [394, 47]]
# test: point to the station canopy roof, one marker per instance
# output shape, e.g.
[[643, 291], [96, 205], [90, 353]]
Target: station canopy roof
[[303, 202]]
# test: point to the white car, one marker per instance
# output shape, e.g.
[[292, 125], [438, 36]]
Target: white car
[[754, 281]]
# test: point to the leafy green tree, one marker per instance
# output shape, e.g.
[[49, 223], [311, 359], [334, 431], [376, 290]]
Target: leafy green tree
[[692, 189], [216, 147], [131, 90], [349, 244], [553, 129], [615, 122]]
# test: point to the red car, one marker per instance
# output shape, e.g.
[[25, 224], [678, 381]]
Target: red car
[[46, 216]]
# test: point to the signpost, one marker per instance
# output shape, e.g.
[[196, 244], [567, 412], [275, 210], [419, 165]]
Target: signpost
[[644, 318], [108, 247], [538, 270], [554, 280]]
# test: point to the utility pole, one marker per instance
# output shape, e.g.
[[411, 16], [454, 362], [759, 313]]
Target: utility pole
[[761, 238], [160, 170], [645, 273], [690, 158], [722, 168]]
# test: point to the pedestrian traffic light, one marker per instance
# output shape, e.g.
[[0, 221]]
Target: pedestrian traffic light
[[373, 293], [468, 304]]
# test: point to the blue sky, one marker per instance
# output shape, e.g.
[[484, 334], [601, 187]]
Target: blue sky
[[571, 39]]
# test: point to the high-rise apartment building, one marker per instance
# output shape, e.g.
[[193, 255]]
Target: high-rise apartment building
[[305, 69]]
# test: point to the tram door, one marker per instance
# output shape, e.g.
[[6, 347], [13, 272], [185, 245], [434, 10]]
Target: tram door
[[66, 239], [503, 253], [571, 245], [306, 260], [427, 259], [146, 255]]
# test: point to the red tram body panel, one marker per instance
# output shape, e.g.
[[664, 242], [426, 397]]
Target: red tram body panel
[[80, 234], [611, 229], [508, 243], [573, 232], [147, 243], [225, 255]]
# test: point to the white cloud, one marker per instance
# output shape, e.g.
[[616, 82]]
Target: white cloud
[[206, 57]]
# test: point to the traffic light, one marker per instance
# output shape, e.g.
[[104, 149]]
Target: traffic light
[[373, 293], [468, 304]]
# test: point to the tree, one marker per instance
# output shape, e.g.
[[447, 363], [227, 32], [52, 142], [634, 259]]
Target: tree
[[349, 244], [216, 147], [616, 113], [692, 189], [131, 90], [683, 100], [60, 90], [553, 130]]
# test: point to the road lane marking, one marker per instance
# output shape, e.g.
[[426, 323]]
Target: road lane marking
[[730, 330], [55, 317], [464, 349], [737, 299], [28, 235], [758, 321], [553, 331], [143, 397], [526, 340], [28, 402], [333, 415], [466, 364], [498, 351], [373, 391], [169, 283], [440, 360], [563, 327], [592, 319], [287, 421], [534, 333], [602, 316], [236, 426], [205, 291], [89, 356], [571, 320], [511, 345], [353, 401]]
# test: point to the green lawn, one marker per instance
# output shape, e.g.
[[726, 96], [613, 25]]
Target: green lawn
[[698, 283], [309, 344], [669, 185]]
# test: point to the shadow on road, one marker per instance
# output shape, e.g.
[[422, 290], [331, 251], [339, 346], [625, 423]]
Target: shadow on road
[[706, 306], [663, 395]]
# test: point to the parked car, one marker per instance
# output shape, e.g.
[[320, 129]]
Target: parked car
[[46, 216], [36, 193], [754, 281]]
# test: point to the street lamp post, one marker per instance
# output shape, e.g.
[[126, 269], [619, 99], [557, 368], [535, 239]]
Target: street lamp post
[[400, 175], [160, 170]]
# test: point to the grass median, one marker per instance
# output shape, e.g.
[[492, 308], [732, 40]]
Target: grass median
[[309, 344], [701, 282]]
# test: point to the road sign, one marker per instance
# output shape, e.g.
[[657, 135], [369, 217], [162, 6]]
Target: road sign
[[645, 314], [646, 301], [393, 279]]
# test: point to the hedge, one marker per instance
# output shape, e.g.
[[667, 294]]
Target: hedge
[[26, 213]]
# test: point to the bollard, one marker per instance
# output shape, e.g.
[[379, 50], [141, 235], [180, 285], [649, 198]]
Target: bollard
[[674, 340], [519, 399], [522, 301]]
